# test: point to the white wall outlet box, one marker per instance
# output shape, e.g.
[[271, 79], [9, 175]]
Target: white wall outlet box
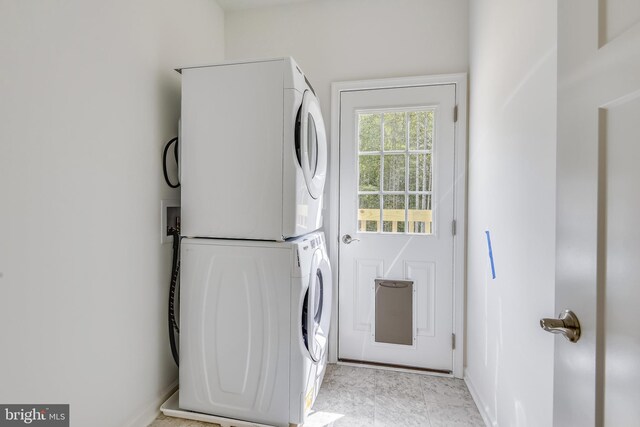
[[169, 212]]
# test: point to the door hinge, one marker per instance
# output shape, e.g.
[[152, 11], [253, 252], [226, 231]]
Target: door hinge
[[455, 114], [453, 341], [453, 227]]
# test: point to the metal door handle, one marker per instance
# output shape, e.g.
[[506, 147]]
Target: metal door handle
[[346, 239], [567, 325]]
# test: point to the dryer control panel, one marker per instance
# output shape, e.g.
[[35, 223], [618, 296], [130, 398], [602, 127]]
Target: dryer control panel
[[305, 247]]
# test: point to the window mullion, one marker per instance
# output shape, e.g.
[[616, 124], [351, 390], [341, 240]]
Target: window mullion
[[381, 201], [406, 174]]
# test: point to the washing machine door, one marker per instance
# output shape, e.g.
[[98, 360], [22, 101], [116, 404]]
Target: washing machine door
[[311, 144], [317, 307]]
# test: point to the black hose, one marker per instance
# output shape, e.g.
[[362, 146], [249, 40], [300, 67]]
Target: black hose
[[173, 289], [164, 161]]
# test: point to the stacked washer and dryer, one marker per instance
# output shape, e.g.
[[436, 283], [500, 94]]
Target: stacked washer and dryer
[[255, 301]]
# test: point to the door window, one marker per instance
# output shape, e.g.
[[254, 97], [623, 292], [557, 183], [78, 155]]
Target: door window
[[312, 315], [395, 159], [312, 146], [315, 316], [313, 300], [317, 304]]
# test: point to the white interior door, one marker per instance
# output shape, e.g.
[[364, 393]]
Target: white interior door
[[396, 217], [597, 379]]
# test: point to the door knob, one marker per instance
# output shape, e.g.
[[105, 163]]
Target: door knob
[[567, 324], [348, 239]]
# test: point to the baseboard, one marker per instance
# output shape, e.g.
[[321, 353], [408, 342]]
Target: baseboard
[[482, 408], [152, 410]]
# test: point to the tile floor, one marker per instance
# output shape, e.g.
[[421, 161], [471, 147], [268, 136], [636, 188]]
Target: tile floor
[[354, 397]]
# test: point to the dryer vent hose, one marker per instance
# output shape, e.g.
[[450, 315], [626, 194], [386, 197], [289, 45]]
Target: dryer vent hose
[[174, 329]]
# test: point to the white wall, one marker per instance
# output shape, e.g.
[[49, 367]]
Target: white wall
[[88, 98], [512, 194], [338, 40]]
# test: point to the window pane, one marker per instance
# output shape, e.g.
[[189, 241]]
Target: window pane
[[420, 214], [430, 124], [420, 172], [369, 131], [393, 215], [406, 141], [369, 212], [418, 130], [395, 131], [394, 179], [369, 173], [312, 146]]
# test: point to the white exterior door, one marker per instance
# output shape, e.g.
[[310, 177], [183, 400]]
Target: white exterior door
[[396, 214], [597, 379]]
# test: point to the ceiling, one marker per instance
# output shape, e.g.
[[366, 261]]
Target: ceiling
[[250, 4]]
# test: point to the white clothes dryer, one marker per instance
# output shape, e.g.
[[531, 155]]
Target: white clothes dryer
[[255, 319], [253, 151]]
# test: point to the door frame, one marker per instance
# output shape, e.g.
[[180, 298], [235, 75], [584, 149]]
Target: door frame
[[459, 202]]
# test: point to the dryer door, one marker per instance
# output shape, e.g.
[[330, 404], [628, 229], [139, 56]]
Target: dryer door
[[316, 314], [311, 144]]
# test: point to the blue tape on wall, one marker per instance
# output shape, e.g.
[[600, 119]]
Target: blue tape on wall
[[493, 267]]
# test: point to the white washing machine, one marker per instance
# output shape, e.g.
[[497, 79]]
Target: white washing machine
[[254, 325], [253, 151]]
